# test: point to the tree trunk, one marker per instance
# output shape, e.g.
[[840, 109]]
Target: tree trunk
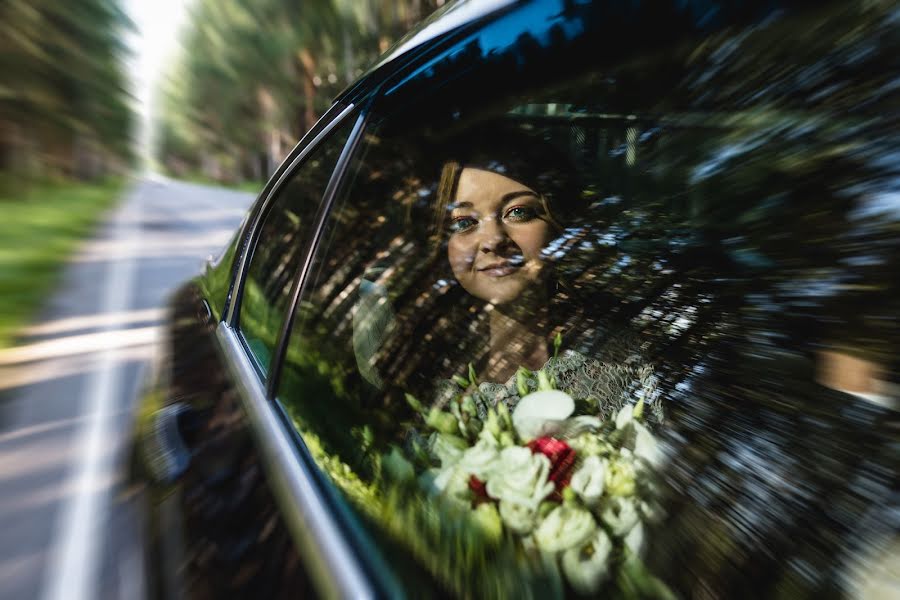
[[309, 88], [349, 55]]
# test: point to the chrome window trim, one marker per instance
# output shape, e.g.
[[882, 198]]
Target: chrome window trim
[[251, 238], [249, 222], [300, 277], [331, 562]]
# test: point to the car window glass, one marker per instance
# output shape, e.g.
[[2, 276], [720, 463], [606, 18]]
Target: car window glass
[[662, 259], [283, 241]]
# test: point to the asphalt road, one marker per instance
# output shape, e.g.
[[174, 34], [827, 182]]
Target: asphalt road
[[68, 391]]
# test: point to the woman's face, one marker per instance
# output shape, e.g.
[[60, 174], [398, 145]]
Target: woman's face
[[498, 228]]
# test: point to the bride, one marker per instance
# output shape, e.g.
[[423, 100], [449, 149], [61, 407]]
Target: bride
[[502, 211]]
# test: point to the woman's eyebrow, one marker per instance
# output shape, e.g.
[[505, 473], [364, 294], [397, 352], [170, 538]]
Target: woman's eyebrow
[[464, 204], [518, 194]]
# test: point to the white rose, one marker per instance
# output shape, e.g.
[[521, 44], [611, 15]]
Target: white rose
[[541, 413], [481, 459], [518, 517], [587, 567], [588, 480], [520, 477], [620, 515], [565, 527]]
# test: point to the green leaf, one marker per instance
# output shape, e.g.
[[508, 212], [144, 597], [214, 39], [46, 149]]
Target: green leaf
[[544, 381], [636, 581], [442, 421], [638, 409], [396, 466], [414, 403], [522, 381]]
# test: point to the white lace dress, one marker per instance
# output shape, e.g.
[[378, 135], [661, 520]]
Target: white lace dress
[[611, 385]]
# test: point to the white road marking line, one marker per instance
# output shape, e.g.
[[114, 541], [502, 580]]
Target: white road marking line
[[71, 573], [81, 322], [79, 345]]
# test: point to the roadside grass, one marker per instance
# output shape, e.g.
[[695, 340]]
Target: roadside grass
[[244, 186], [40, 227]]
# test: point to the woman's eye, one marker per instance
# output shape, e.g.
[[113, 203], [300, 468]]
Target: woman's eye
[[459, 224], [520, 213]]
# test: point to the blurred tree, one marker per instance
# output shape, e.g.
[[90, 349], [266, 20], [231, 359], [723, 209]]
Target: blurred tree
[[255, 76], [64, 104]]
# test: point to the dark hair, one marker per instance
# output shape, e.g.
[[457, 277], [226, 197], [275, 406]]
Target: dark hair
[[515, 152]]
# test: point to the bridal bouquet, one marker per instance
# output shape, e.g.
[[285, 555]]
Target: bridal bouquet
[[575, 489]]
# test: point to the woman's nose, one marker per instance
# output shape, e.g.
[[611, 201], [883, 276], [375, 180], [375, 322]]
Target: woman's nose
[[494, 237]]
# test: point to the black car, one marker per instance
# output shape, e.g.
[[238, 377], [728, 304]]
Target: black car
[[682, 212]]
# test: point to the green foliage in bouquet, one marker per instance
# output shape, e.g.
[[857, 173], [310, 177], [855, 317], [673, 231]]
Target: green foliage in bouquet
[[561, 485]]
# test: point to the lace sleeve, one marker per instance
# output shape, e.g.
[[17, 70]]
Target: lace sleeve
[[610, 385]]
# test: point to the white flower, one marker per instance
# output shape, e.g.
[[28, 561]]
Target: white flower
[[520, 477], [518, 517], [635, 538], [565, 527], [588, 480], [587, 567], [482, 458], [453, 483], [446, 449], [457, 466], [541, 413], [621, 515], [624, 417], [645, 446]]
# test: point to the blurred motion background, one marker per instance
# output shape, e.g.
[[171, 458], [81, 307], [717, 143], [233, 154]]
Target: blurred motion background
[[254, 76], [102, 104], [202, 90], [134, 135]]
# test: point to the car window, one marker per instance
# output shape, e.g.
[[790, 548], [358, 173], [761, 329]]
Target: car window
[[662, 267], [282, 243]]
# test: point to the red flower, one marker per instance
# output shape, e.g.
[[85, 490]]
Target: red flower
[[480, 489], [562, 459]]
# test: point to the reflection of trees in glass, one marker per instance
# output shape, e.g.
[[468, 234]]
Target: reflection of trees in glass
[[282, 244], [750, 233]]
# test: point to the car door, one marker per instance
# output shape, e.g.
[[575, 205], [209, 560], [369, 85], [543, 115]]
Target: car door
[[213, 525]]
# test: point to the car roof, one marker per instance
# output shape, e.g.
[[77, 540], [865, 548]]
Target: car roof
[[598, 31], [453, 16]]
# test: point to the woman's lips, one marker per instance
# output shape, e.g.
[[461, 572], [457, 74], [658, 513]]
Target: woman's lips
[[499, 269]]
